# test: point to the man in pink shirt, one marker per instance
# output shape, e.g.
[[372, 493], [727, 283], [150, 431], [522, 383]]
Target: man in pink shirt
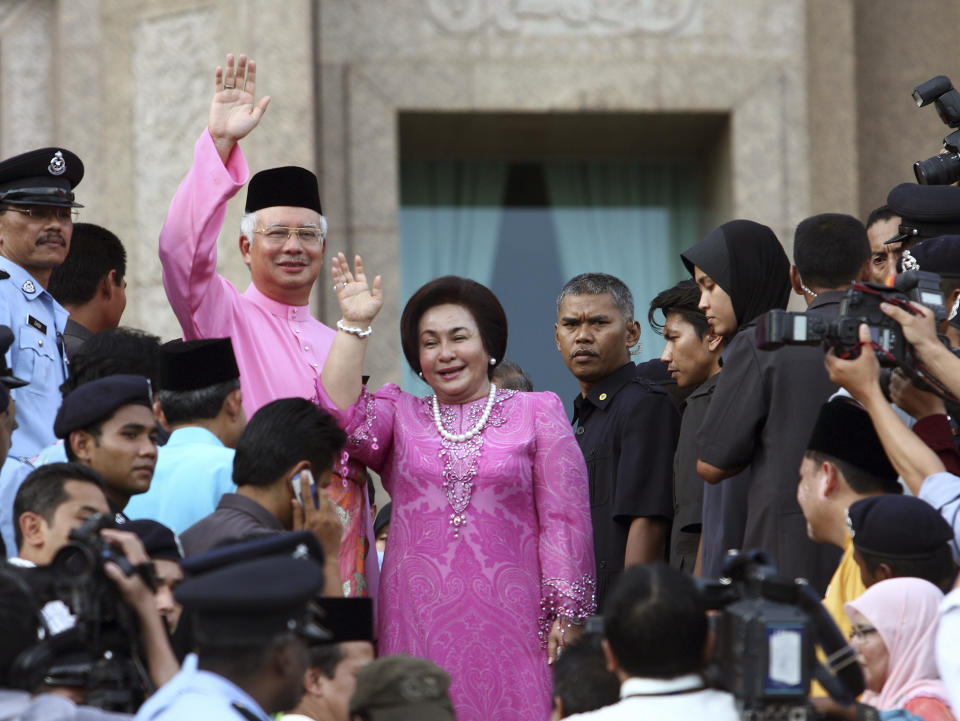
[[280, 348]]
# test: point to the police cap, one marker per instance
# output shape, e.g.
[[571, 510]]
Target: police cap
[[6, 373], [195, 364], [292, 544], [897, 527], [46, 176], [925, 211], [402, 687], [250, 602], [939, 255], [95, 401]]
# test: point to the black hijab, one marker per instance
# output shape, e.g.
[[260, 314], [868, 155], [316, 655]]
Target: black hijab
[[747, 261]]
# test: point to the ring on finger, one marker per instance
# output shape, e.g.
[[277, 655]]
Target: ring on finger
[[228, 87]]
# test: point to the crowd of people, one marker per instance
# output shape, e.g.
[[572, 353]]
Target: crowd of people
[[190, 527]]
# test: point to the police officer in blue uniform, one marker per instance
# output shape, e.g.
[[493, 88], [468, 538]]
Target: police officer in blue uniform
[[36, 223], [251, 626]]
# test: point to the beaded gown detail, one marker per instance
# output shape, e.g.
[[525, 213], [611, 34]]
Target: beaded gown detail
[[490, 539]]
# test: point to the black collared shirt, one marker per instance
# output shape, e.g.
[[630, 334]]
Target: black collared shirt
[[627, 429], [236, 517]]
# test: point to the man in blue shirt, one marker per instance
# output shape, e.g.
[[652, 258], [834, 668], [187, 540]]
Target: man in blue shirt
[[36, 224], [201, 403], [252, 626]]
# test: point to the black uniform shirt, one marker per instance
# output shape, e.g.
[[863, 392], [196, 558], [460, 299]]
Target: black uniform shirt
[[627, 429]]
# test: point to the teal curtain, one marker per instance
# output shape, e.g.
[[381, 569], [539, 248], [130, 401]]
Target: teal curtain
[[449, 225], [629, 220]]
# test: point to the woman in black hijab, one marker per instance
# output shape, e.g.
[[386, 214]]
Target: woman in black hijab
[[742, 272], [745, 262]]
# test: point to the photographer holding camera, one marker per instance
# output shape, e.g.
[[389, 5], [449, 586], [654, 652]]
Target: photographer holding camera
[[57, 508]]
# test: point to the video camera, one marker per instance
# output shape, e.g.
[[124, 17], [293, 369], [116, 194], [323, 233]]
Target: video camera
[[860, 304], [944, 168], [766, 638], [101, 652]]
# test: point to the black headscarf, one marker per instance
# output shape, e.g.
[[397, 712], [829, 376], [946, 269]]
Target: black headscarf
[[747, 261]]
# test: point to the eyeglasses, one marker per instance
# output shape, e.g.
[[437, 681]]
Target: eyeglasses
[[860, 634], [278, 234], [45, 212]]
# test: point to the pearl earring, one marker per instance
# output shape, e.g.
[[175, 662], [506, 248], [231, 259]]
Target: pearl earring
[[420, 374], [493, 361]]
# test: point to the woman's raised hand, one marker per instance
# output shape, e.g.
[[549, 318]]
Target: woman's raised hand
[[359, 303]]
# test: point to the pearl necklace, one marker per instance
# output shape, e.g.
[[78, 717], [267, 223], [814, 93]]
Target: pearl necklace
[[460, 437]]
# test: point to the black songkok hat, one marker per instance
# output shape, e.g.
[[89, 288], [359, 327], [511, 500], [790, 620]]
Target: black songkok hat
[[6, 374], [897, 527], [383, 518], [41, 177], [92, 402], [194, 364], [843, 431], [288, 185], [159, 541], [939, 255], [348, 619], [926, 211], [250, 602]]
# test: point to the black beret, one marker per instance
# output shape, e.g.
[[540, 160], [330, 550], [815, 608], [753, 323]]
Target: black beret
[[295, 544], [925, 211], [41, 177], [159, 541], [897, 527], [6, 374], [288, 185], [939, 255], [844, 431], [4, 398], [252, 601], [194, 364], [92, 402]]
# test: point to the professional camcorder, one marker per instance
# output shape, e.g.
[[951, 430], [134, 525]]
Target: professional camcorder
[[861, 304], [767, 633], [101, 652], [944, 168]]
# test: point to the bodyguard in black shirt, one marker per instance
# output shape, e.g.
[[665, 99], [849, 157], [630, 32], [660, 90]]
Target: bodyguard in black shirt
[[626, 426]]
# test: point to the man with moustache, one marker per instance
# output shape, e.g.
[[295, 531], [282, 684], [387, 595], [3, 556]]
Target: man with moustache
[[36, 224], [626, 426]]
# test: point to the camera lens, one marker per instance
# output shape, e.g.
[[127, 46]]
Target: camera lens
[[941, 169]]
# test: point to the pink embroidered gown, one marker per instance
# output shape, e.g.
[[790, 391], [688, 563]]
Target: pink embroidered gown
[[490, 539]]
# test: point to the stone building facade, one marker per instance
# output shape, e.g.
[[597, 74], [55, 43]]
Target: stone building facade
[[790, 107]]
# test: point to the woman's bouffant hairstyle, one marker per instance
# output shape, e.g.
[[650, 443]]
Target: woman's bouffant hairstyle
[[478, 299]]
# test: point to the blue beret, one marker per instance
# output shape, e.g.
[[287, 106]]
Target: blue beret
[[897, 527], [159, 541], [925, 211], [939, 255], [253, 600], [45, 176], [95, 401]]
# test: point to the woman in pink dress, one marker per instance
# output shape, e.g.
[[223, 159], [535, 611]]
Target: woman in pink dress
[[489, 562]]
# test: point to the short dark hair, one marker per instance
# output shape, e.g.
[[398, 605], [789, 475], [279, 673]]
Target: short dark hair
[[581, 678], [859, 480], [938, 567], [478, 299], [113, 351], [509, 375], [325, 658], [830, 249], [598, 284], [281, 434], [94, 252], [181, 407], [42, 491], [884, 212], [684, 299], [656, 622]]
